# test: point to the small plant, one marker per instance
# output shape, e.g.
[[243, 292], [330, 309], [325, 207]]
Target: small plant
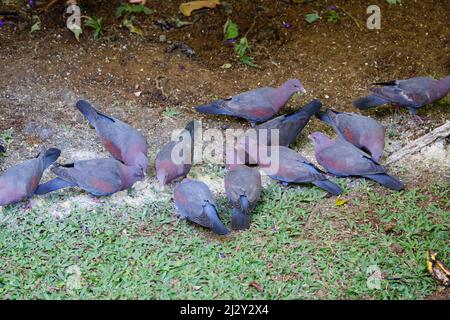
[[127, 10], [312, 17], [334, 16], [96, 24], [242, 48], [7, 136], [36, 26], [230, 30], [171, 112], [393, 1]]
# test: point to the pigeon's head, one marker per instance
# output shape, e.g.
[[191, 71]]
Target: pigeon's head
[[318, 138], [141, 161], [294, 86], [137, 173], [162, 176]]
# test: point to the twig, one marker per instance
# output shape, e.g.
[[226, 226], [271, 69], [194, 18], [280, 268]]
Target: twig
[[416, 145], [352, 17]]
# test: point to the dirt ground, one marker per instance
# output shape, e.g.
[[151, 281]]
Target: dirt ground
[[134, 79]]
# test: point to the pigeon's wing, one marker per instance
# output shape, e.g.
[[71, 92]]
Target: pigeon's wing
[[99, 177], [344, 159], [120, 138], [190, 198], [243, 181], [413, 92], [293, 168], [256, 104]]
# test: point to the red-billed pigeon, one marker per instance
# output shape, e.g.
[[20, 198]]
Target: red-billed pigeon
[[363, 132], [194, 201], [19, 183], [293, 168], [289, 125], [167, 167], [243, 189], [124, 142], [412, 93], [99, 177], [257, 105], [342, 159]]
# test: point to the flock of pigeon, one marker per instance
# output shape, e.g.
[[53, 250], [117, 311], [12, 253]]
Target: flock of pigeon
[[355, 152]]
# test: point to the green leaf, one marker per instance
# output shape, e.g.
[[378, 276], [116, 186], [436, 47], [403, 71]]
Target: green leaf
[[133, 29], [35, 27], [393, 1], [312, 17], [96, 24], [121, 10], [231, 30]]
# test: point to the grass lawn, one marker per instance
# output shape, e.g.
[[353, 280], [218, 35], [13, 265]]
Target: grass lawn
[[300, 246]]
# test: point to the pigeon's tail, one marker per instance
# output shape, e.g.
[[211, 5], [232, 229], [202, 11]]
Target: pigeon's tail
[[87, 110], [328, 186], [2, 149], [216, 225], [387, 181], [240, 220], [388, 83], [368, 102], [50, 156], [307, 111], [52, 185], [214, 108], [312, 108]]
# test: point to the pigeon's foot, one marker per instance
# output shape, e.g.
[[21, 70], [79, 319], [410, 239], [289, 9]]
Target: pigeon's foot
[[27, 206]]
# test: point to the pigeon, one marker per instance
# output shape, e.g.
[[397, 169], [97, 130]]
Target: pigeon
[[99, 177], [342, 159], [412, 93], [289, 125], [243, 189], [293, 168], [363, 132], [124, 142], [257, 105], [167, 169], [194, 201], [19, 183]]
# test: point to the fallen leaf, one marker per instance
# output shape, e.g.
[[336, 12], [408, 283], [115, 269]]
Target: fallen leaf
[[340, 202], [257, 286], [187, 7]]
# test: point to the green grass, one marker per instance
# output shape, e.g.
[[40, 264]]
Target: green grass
[[300, 246]]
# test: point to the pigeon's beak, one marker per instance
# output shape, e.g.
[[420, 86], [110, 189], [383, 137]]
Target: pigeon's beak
[[302, 90], [310, 137]]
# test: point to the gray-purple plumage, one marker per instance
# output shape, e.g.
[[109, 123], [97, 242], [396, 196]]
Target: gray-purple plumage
[[342, 159], [289, 125], [99, 177], [124, 142], [168, 168], [19, 183], [257, 105], [363, 132], [412, 93], [291, 167], [243, 189], [195, 202]]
